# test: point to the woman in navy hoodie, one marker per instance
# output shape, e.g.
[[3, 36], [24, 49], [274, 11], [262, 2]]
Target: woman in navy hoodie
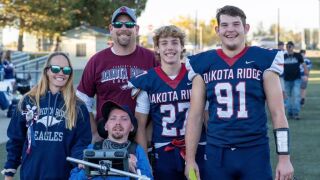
[[49, 125]]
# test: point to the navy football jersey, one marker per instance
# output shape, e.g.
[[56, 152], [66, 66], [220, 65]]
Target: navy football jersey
[[169, 102], [234, 90]]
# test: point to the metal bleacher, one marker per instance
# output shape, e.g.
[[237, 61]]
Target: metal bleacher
[[31, 68], [26, 67]]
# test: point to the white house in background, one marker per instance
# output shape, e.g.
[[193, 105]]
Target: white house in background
[[265, 42], [82, 42]]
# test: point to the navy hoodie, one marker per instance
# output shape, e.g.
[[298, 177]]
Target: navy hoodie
[[40, 141]]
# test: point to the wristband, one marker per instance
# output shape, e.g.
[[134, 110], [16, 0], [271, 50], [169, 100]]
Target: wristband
[[8, 172], [281, 136]]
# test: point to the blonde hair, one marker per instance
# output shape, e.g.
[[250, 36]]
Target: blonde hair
[[67, 92], [169, 31]]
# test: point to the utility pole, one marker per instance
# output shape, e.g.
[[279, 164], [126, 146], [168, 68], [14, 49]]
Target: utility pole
[[278, 26], [319, 27], [196, 32], [135, 10]]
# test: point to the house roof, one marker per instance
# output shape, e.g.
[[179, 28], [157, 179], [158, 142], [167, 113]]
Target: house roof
[[86, 30]]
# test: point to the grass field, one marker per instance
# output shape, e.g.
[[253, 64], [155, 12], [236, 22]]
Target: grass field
[[305, 134]]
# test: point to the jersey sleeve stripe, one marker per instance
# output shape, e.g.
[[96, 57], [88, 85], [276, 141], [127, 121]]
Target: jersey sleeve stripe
[[191, 73], [277, 64]]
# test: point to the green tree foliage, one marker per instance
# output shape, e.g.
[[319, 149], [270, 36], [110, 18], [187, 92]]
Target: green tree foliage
[[209, 34], [52, 17], [40, 17], [99, 12], [18, 14], [56, 18], [204, 32]]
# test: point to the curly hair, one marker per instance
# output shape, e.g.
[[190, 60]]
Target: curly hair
[[169, 31]]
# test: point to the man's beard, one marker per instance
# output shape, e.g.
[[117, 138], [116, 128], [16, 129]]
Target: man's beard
[[117, 136], [124, 41], [117, 132], [231, 47]]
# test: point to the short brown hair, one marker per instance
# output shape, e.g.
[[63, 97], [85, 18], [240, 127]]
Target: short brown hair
[[231, 11]]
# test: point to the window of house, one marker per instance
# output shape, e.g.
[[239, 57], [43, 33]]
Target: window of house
[[81, 50]]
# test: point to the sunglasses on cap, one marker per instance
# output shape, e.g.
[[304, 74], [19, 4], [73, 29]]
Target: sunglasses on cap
[[120, 24], [67, 70]]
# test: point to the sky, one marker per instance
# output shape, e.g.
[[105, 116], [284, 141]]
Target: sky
[[294, 14]]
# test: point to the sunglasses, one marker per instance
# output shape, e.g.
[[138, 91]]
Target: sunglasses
[[67, 70], [120, 24]]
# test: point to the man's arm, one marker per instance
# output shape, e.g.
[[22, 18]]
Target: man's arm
[[304, 65], [194, 124], [141, 113], [274, 97], [305, 69], [141, 136], [143, 162]]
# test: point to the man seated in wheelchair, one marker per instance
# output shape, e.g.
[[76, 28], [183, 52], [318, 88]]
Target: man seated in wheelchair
[[118, 149]]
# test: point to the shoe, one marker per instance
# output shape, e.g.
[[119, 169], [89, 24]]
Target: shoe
[[296, 117], [302, 102]]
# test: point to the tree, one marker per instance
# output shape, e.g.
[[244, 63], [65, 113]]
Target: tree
[[37, 17], [205, 31], [260, 30], [307, 37], [58, 18], [285, 35], [315, 37], [17, 14], [209, 35], [52, 17], [99, 12]]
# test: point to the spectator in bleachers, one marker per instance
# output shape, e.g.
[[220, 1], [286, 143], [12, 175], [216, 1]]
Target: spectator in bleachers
[[4, 102], [8, 66]]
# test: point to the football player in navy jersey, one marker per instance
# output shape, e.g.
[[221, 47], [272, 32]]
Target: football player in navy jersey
[[164, 93], [237, 80]]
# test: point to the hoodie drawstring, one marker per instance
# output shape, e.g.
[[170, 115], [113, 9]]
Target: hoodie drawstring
[[49, 94], [54, 108]]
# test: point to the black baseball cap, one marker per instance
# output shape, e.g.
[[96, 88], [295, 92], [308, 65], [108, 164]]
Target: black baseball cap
[[124, 10], [107, 107], [290, 43]]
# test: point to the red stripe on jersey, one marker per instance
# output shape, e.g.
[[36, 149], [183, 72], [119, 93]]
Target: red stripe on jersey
[[173, 83], [230, 61]]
